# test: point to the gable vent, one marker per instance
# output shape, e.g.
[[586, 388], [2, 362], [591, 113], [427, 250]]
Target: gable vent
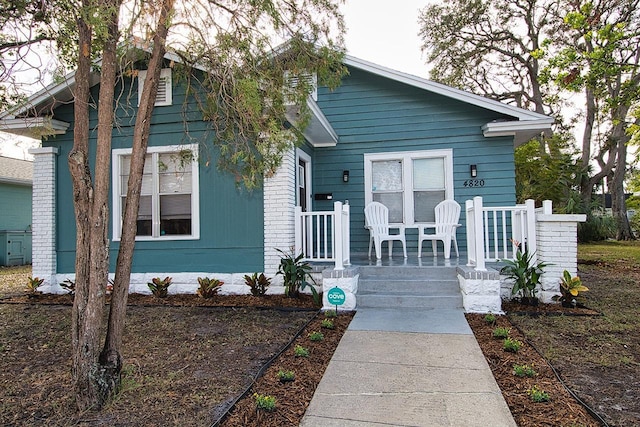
[[164, 95]]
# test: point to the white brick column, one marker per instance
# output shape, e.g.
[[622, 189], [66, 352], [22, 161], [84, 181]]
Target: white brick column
[[557, 243], [279, 204], [44, 213]]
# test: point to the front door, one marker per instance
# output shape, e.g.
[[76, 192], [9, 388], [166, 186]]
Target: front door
[[303, 180]]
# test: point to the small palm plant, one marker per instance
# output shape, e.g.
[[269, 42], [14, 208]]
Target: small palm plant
[[295, 272], [525, 275]]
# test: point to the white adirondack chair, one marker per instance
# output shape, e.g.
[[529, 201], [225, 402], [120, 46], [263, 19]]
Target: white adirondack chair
[[377, 221], [447, 215]]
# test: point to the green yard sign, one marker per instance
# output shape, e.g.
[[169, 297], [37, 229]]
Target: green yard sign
[[336, 296]]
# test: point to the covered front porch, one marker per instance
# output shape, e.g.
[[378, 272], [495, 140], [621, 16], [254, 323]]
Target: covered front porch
[[490, 233]]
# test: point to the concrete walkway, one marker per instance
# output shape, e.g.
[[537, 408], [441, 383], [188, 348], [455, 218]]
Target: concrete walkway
[[404, 367]]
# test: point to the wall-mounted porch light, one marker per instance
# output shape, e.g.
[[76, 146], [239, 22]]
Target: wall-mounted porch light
[[345, 176], [473, 169]]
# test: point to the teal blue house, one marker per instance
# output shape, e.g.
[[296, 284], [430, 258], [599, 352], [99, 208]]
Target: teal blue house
[[382, 135], [15, 211]]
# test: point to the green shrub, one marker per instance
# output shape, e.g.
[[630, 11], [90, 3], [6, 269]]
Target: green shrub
[[490, 318], [596, 228], [538, 395], [316, 336], [501, 332], [258, 283], [511, 345], [286, 376], [33, 283], [209, 287], [327, 324], [295, 273], [265, 402], [524, 371], [300, 351], [330, 314], [160, 287]]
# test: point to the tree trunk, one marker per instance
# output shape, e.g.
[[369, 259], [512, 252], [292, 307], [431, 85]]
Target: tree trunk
[[92, 216], [618, 205], [87, 306], [111, 355]]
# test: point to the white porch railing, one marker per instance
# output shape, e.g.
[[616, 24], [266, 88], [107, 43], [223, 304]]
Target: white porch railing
[[490, 231], [323, 236]]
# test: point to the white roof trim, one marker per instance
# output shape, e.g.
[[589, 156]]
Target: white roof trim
[[30, 126], [447, 91], [511, 128], [319, 131]]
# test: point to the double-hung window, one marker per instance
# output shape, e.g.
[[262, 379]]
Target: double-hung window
[[410, 183], [169, 203]]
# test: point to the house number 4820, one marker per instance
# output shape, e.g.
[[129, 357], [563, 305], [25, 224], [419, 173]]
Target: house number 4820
[[474, 183]]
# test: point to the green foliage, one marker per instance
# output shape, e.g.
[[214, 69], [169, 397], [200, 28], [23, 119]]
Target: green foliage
[[537, 395], [501, 332], [524, 371], [300, 351], [208, 287], [316, 336], [327, 324], [259, 284], [511, 345], [330, 314], [33, 283], [160, 287], [525, 275], [295, 273], [490, 318], [570, 287], [551, 174], [286, 376], [265, 402], [598, 227]]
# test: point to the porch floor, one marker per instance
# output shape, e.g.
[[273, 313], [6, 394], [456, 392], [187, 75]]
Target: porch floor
[[427, 260]]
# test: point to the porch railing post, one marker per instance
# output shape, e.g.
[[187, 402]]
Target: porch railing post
[[478, 227], [346, 233], [471, 233], [531, 229], [337, 236], [298, 231]]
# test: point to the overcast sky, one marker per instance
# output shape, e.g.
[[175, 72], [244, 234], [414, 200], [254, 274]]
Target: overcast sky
[[386, 32], [376, 32]]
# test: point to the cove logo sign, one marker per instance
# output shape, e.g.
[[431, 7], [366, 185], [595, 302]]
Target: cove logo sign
[[336, 296]]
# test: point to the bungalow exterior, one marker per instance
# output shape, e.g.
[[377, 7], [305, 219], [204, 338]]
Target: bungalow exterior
[[382, 135], [15, 211]]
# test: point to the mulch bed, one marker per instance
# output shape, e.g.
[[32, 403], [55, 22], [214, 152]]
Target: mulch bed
[[561, 409], [292, 398], [514, 307], [181, 300]]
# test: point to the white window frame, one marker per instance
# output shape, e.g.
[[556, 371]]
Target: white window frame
[[406, 158], [165, 74], [195, 192]]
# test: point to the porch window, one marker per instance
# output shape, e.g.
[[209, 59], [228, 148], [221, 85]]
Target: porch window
[[410, 183], [169, 202]]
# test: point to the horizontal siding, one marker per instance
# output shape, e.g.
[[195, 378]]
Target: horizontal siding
[[15, 207], [231, 230], [371, 114]]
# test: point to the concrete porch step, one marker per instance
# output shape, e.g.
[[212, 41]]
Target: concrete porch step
[[409, 287]]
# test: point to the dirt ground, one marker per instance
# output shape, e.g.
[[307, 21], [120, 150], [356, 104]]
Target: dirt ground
[[597, 356], [187, 363]]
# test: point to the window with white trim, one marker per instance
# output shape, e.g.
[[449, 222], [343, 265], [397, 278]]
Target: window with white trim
[[410, 183], [164, 96], [169, 202]]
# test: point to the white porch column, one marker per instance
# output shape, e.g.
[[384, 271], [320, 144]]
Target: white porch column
[[44, 213], [279, 205]]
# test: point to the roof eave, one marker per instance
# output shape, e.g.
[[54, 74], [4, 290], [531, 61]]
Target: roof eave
[[319, 131], [34, 127], [522, 131]]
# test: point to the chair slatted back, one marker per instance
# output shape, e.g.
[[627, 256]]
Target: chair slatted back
[[377, 218], [447, 214]]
